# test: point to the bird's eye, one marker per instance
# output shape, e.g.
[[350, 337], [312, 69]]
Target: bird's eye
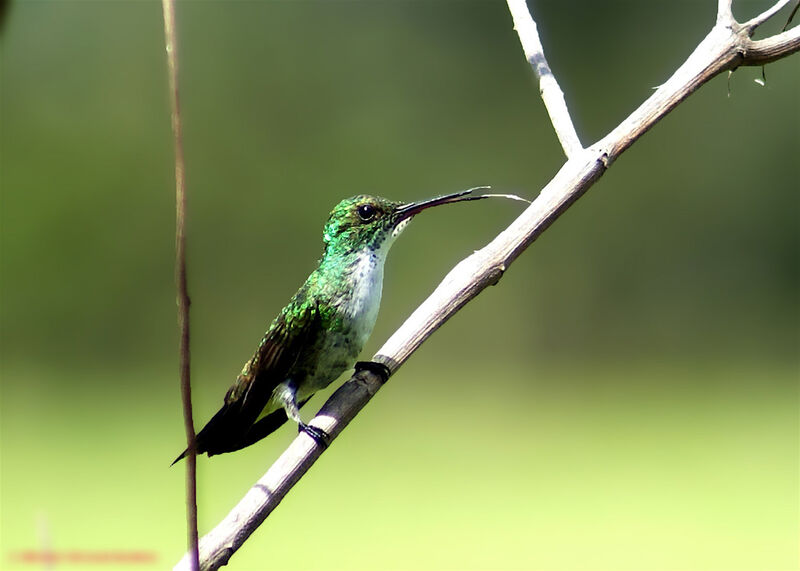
[[366, 212]]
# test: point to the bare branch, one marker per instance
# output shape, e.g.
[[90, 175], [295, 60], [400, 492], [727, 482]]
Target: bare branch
[[551, 93], [170, 37], [725, 48], [724, 13], [754, 23], [773, 48]]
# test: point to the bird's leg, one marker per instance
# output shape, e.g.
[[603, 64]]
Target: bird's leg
[[286, 395]]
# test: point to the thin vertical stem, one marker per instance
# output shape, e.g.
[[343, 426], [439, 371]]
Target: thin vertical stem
[[168, 7]]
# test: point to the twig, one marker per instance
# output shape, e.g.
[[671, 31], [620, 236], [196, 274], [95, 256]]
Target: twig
[[724, 11], [551, 93], [791, 16], [754, 23], [168, 7], [726, 47], [773, 48]]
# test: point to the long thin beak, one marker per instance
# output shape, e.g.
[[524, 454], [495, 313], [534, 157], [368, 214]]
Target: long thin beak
[[408, 210]]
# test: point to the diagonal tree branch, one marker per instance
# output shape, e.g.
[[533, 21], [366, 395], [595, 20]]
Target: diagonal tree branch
[[726, 47]]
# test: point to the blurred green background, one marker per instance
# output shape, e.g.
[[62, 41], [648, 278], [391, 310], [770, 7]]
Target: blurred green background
[[626, 398]]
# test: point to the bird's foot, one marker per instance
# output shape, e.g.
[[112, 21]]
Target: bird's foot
[[374, 367], [322, 438]]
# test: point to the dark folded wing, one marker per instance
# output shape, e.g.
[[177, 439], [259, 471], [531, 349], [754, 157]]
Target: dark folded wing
[[280, 348]]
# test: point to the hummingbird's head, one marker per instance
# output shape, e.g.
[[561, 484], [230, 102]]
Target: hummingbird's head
[[372, 222], [360, 222]]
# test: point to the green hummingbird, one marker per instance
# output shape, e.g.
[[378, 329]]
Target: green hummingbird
[[320, 333]]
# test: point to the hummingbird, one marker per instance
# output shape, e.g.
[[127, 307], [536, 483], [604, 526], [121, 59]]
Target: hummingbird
[[321, 331]]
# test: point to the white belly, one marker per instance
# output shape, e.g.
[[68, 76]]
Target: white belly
[[366, 297]]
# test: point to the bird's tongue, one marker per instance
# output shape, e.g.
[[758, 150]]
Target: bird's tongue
[[408, 210]]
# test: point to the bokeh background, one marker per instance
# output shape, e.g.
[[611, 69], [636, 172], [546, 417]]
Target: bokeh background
[[626, 398]]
